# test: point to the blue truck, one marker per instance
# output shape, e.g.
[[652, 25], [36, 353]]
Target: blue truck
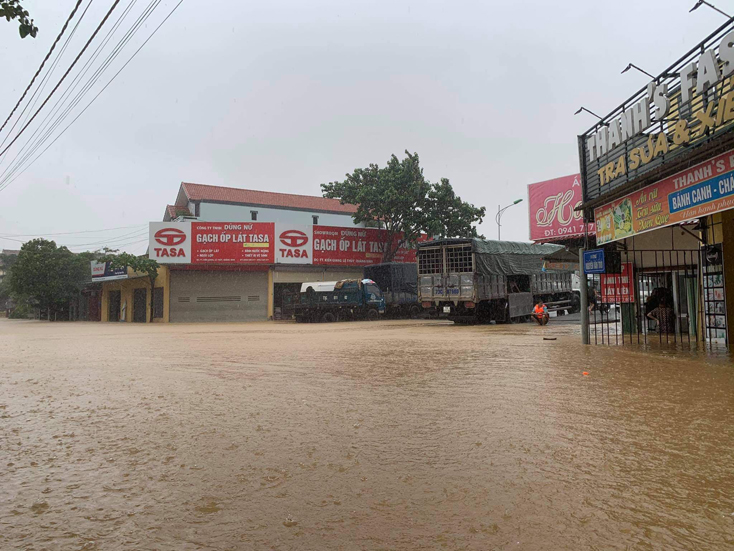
[[329, 301]]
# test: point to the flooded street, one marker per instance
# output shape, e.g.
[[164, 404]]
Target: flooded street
[[386, 435]]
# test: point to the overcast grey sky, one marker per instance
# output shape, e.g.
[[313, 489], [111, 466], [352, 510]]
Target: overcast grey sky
[[286, 95]]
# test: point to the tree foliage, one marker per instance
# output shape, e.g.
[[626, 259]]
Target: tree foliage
[[400, 199], [11, 9], [139, 264], [47, 275]]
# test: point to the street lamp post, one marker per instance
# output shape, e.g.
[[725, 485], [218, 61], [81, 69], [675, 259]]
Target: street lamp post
[[500, 212]]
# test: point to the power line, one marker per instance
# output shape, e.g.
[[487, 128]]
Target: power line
[[63, 30], [84, 49], [95, 97], [39, 89], [32, 145], [115, 245], [113, 240], [69, 233]]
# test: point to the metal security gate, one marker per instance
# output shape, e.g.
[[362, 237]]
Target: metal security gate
[[218, 296], [650, 296]]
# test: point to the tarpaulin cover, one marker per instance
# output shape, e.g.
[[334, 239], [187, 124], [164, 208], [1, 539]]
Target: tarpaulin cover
[[503, 257], [394, 277]]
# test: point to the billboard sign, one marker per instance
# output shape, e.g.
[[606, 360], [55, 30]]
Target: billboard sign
[[232, 242], [552, 207], [695, 192], [293, 244], [336, 246], [102, 271], [195, 242], [170, 242], [688, 104]]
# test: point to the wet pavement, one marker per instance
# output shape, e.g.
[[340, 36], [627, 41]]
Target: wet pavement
[[386, 435]]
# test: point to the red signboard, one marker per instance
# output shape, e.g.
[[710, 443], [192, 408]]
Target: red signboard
[[335, 246], [232, 242], [617, 288], [252, 243], [552, 214]]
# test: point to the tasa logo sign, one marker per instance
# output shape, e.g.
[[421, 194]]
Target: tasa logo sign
[[169, 244], [170, 237], [293, 238], [294, 244]]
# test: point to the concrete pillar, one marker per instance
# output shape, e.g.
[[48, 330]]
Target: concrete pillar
[[271, 297]]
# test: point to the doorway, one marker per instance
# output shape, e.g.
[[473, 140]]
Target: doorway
[[139, 305], [113, 313], [279, 289]]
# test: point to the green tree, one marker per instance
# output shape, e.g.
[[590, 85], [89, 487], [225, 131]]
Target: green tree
[[404, 203], [140, 264], [11, 9], [6, 264], [48, 276]]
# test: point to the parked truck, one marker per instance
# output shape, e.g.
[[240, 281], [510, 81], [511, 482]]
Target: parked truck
[[399, 284], [329, 301], [476, 280]]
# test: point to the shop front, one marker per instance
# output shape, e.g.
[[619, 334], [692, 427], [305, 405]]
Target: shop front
[[658, 182], [126, 295], [238, 271]]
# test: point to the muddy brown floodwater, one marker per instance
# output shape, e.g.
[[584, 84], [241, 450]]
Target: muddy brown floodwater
[[385, 435]]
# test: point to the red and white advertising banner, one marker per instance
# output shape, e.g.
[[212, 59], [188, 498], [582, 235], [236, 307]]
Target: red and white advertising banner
[[552, 214], [267, 243], [618, 287], [335, 246], [232, 242]]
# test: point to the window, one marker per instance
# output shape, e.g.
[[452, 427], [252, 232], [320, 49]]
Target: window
[[158, 302], [373, 291], [253, 213], [315, 219]]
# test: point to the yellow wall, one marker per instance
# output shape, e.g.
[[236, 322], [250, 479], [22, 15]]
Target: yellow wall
[[126, 288]]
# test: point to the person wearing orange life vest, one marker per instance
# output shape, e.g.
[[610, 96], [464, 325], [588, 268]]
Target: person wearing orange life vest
[[540, 313]]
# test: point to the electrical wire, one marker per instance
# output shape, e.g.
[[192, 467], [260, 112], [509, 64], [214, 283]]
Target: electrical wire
[[33, 143], [113, 241], [115, 245], [7, 183], [70, 232], [63, 30], [79, 55], [39, 90]]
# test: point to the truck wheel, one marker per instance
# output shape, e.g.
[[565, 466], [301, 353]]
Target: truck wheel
[[300, 319], [372, 315], [414, 312], [328, 317]]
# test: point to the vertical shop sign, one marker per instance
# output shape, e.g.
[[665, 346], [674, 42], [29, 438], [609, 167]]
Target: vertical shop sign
[[618, 288]]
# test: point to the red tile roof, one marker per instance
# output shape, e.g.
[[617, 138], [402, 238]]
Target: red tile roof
[[174, 211], [201, 192]]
